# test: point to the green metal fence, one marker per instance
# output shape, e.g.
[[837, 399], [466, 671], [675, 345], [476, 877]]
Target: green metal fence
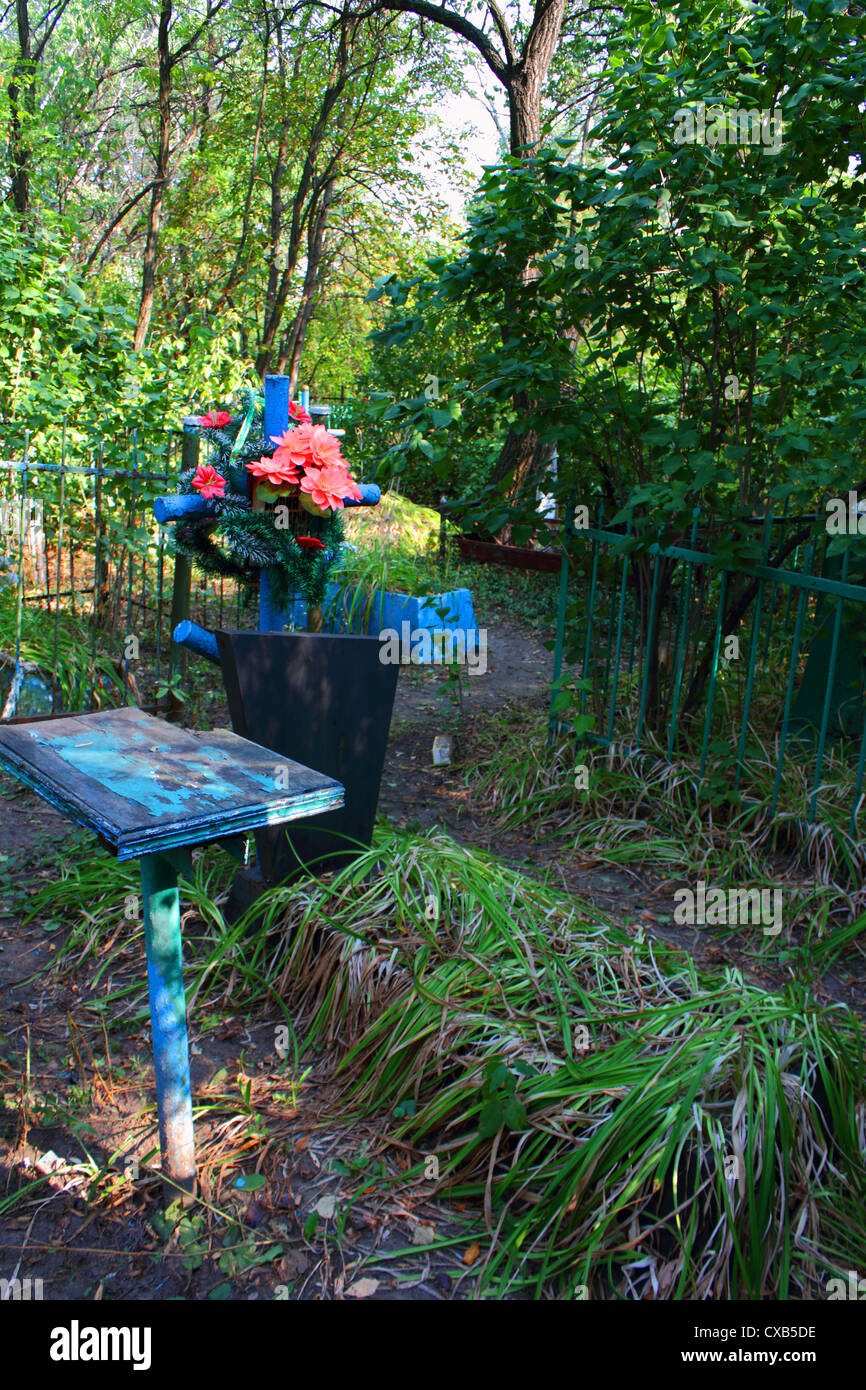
[[648, 633], [84, 568]]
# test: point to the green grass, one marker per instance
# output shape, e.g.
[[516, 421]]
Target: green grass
[[79, 669], [640, 809]]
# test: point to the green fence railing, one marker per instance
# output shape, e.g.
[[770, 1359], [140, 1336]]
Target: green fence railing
[[677, 650]]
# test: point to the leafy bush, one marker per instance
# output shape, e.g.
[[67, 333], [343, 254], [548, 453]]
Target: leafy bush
[[434, 365], [61, 351]]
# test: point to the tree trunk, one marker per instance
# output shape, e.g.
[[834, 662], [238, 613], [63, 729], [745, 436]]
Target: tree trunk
[[151, 247], [524, 110], [292, 346], [20, 84], [523, 456]]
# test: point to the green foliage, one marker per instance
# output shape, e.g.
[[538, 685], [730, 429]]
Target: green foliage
[[684, 322], [501, 1105], [62, 352], [418, 386], [567, 701]]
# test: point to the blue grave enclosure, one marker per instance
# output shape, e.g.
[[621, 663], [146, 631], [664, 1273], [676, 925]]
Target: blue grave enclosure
[[346, 611]]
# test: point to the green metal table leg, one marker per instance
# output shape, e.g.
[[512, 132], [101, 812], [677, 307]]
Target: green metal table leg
[[168, 1020]]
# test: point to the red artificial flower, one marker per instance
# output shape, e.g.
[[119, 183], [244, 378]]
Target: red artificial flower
[[297, 412], [312, 446], [208, 482], [309, 456], [328, 487], [325, 448], [278, 470], [309, 543], [285, 461], [214, 420]]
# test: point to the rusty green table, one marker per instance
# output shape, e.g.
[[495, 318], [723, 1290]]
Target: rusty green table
[[151, 791]]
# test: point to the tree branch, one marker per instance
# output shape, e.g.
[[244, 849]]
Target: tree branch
[[127, 207], [196, 35], [504, 32], [440, 14], [40, 47]]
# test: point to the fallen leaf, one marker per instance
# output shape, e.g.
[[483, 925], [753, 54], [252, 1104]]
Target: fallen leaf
[[251, 1182], [293, 1264], [362, 1288], [471, 1255]]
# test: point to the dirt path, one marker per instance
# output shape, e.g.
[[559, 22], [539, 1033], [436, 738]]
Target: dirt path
[[417, 793]]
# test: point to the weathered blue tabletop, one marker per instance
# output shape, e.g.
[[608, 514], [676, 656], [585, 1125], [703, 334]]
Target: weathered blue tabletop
[[145, 785], [151, 790]]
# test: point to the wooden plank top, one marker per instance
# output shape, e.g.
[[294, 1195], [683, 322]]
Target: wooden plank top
[[145, 785]]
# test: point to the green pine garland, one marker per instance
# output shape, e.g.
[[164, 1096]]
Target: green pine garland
[[237, 541]]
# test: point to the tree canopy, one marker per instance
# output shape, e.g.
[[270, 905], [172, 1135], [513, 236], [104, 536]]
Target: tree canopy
[[204, 180]]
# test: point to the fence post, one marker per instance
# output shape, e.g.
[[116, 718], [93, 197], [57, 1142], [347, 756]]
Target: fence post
[[559, 645], [100, 575], [180, 589]]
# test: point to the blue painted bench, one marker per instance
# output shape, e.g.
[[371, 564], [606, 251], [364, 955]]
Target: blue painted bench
[[150, 791]]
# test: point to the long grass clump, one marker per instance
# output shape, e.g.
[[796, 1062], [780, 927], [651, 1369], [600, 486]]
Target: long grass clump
[[639, 808], [627, 1127]]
